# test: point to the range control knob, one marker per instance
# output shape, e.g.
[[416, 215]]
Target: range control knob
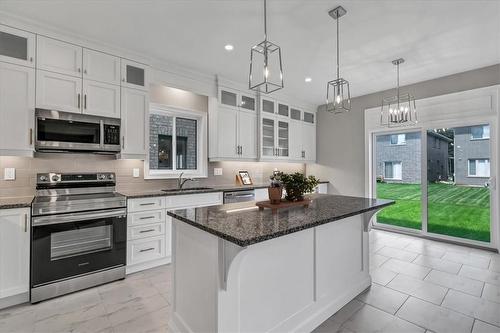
[[55, 178], [101, 177], [44, 178], [111, 176]]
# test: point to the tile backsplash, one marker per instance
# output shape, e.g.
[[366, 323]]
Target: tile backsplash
[[27, 168]]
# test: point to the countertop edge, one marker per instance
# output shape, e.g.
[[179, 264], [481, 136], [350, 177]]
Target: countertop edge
[[248, 242]]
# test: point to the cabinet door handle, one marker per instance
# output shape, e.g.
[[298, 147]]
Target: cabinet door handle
[[123, 142], [78, 100], [84, 71], [148, 249], [241, 150], [123, 80], [85, 101], [31, 136], [147, 230], [25, 222], [79, 70], [31, 59]]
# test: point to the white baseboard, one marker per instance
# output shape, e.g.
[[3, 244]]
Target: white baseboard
[[14, 300]]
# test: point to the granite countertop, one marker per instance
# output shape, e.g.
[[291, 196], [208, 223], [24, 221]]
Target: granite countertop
[[187, 190], [15, 202], [244, 224]]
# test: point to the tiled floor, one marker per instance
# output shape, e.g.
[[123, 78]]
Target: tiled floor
[[418, 286]]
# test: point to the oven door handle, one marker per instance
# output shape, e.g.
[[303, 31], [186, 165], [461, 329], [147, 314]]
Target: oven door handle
[[77, 217]]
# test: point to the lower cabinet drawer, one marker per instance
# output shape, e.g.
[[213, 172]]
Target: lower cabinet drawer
[[146, 230], [147, 217], [141, 250]]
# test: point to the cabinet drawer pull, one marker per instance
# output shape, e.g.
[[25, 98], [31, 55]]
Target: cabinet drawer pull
[[147, 204], [146, 250], [147, 230], [146, 217]]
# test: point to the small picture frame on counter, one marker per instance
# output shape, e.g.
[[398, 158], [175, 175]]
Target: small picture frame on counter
[[244, 178]]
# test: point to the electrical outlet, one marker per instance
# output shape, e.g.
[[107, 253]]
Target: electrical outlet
[[136, 172], [217, 171], [9, 174]]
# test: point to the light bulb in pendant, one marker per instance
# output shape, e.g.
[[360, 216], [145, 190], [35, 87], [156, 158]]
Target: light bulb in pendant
[[266, 72], [338, 99]]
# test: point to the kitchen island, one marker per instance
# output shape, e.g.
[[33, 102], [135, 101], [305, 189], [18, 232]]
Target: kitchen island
[[239, 269]]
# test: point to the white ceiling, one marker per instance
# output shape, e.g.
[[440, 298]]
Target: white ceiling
[[436, 38]]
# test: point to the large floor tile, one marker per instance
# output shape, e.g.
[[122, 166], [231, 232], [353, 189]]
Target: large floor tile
[[484, 275], [434, 318], [383, 298], [382, 276], [495, 263], [438, 264], [392, 252], [456, 282], [155, 321], [370, 319], [136, 307], [423, 247], [470, 259], [491, 292], [403, 267], [473, 306], [421, 289], [482, 327], [376, 260]]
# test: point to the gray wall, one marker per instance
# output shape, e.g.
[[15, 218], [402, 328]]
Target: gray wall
[[466, 149], [340, 138]]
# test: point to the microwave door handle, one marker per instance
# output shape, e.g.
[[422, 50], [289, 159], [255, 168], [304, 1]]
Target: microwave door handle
[[76, 217]]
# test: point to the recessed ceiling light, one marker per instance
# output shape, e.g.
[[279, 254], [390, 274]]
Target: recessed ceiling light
[[308, 79], [229, 47]]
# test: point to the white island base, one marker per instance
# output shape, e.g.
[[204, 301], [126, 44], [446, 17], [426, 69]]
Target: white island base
[[287, 284]]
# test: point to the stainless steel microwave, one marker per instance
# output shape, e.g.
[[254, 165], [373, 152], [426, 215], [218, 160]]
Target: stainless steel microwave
[[58, 131]]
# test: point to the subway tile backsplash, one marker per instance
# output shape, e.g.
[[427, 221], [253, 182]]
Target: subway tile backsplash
[[27, 168]]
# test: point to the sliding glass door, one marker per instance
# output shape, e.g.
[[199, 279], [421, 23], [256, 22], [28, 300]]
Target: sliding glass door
[[439, 178], [398, 177], [458, 178]]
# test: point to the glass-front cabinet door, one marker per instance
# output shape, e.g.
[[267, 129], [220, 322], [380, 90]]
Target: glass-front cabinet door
[[268, 137], [17, 46], [283, 138], [134, 75]]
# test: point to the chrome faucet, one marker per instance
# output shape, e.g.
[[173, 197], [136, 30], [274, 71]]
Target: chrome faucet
[[181, 182]]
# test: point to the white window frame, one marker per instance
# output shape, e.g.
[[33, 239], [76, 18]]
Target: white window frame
[[398, 143], [394, 162], [202, 139], [476, 162], [482, 137]]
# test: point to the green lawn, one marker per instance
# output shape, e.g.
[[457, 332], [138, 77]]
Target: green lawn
[[453, 210]]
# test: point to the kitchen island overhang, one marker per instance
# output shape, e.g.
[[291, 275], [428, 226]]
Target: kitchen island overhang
[[238, 269]]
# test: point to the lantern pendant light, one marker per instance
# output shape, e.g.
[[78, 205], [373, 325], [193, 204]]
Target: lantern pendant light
[[338, 96], [266, 68], [399, 110]]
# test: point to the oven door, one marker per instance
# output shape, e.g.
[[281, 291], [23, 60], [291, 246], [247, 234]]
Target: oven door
[[67, 245]]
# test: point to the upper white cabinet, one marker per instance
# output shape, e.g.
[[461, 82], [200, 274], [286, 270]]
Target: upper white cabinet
[[134, 75], [134, 113], [101, 99], [17, 109], [14, 252], [235, 125], [17, 46], [102, 67], [275, 138], [58, 92], [60, 57], [309, 142]]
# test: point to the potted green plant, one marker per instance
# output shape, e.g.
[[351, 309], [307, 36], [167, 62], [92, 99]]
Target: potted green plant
[[275, 190], [297, 184]]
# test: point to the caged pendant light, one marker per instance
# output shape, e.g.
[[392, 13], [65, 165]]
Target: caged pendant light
[[399, 110], [266, 68], [338, 96]]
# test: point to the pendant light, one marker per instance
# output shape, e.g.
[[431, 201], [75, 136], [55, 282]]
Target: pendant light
[[338, 96], [266, 69], [399, 110]]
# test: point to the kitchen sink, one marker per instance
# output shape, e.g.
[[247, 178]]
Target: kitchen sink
[[187, 189]]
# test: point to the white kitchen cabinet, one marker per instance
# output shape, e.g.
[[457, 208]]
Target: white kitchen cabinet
[[102, 67], [58, 56], [14, 256], [247, 134], [134, 75], [59, 92], [17, 46], [275, 138], [134, 112], [227, 133], [296, 140], [17, 109], [309, 142], [101, 99]]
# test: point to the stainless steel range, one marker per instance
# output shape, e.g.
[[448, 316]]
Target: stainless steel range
[[79, 233]]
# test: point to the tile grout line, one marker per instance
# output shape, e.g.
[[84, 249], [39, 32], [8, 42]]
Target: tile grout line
[[442, 301]]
